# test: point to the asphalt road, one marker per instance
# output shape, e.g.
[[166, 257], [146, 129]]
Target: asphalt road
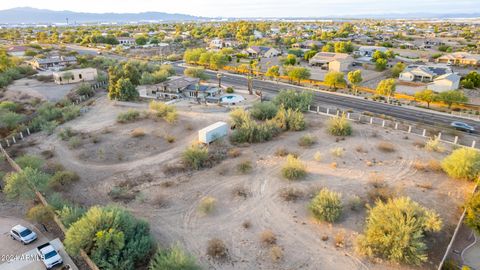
[[347, 102]]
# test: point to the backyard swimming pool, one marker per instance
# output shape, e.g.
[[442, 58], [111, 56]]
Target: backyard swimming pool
[[231, 99]]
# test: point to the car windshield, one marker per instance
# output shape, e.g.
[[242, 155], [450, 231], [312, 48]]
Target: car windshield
[[50, 254], [25, 232]]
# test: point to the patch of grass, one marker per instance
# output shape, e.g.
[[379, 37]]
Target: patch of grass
[[166, 112], [245, 167], [128, 116], [121, 194], [66, 133], [268, 238], [294, 169], [138, 132], [170, 138], [216, 249], [74, 142], [386, 147], [356, 203], [307, 140], [61, 179], [207, 205], [281, 152], [290, 194]]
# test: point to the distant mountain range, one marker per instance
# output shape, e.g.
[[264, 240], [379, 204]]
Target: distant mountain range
[[33, 15]]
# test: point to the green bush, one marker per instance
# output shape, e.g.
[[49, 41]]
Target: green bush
[[40, 213], [128, 116], [112, 237], [326, 205], [70, 112], [10, 119], [291, 99], [70, 214], [207, 205], [85, 90], [173, 258], [339, 126], [293, 169], [472, 214], [195, 156], [166, 112], [263, 110], [289, 119], [22, 185], [395, 231], [63, 178], [30, 161], [229, 90], [66, 133], [463, 163], [9, 106]]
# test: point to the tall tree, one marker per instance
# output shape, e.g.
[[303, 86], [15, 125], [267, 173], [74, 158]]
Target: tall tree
[[355, 78], [386, 88], [427, 96], [298, 73], [334, 78], [452, 97]]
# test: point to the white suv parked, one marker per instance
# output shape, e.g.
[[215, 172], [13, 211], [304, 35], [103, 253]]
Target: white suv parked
[[23, 234]]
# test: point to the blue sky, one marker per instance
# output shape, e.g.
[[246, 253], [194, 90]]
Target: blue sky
[[256, 8]]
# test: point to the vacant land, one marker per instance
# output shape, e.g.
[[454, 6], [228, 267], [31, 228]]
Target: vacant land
[[262, 218]]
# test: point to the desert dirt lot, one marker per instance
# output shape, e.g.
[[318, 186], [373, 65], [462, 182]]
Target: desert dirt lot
[[170, 201]]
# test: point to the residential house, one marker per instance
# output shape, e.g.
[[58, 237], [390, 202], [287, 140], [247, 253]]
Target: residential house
[[257, 34], [421, 73], [260, 51], [17, 51], [180, 87], [446, 82], [368, 51], [460, 58], [126, 41], [54, 62], [307, 45], [218, 43], [75, 75], [332, 61]]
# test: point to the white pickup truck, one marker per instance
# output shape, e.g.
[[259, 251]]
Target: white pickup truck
[[49, 255]]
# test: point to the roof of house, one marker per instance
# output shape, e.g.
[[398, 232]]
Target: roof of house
[[431, 71], [179, 82], [55, 59], [17, 49], [78, 70], [259, 49], [453, 77], [329, 56], [461, 55], [372, 48]]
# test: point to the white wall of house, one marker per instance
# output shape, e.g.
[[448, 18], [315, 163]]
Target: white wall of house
[[406, 76], [443, 85], [339, 65], [77, 75]]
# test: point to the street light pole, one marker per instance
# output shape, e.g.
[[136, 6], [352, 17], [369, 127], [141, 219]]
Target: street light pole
[[219, 77]]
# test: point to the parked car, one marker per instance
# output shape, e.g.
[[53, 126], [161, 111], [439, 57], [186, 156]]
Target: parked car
[[49, 255], [23, 234], [462, 126]]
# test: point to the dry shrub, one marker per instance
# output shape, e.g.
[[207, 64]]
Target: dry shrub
[[360, 149], [424, 185], [233, 152], [247, 224], [268, 238], [294, 169], [334, 165], [170, 138], [356, 203], [207, 205], [307, 140], [281, 152], [317, 156], [337, 151], [376, 180], [382, 193], [386, 147], [138, 132], [174, 168], [276, 253], [123, 194], [216, 249], [340, 239], [290, 194], [53, 167], [245, 167], [419, 144], [431, 165], [240, 191], [434, 145], [159, 200], [47, 154]]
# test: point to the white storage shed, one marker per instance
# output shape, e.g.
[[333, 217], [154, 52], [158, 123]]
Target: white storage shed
[[213, 132]]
